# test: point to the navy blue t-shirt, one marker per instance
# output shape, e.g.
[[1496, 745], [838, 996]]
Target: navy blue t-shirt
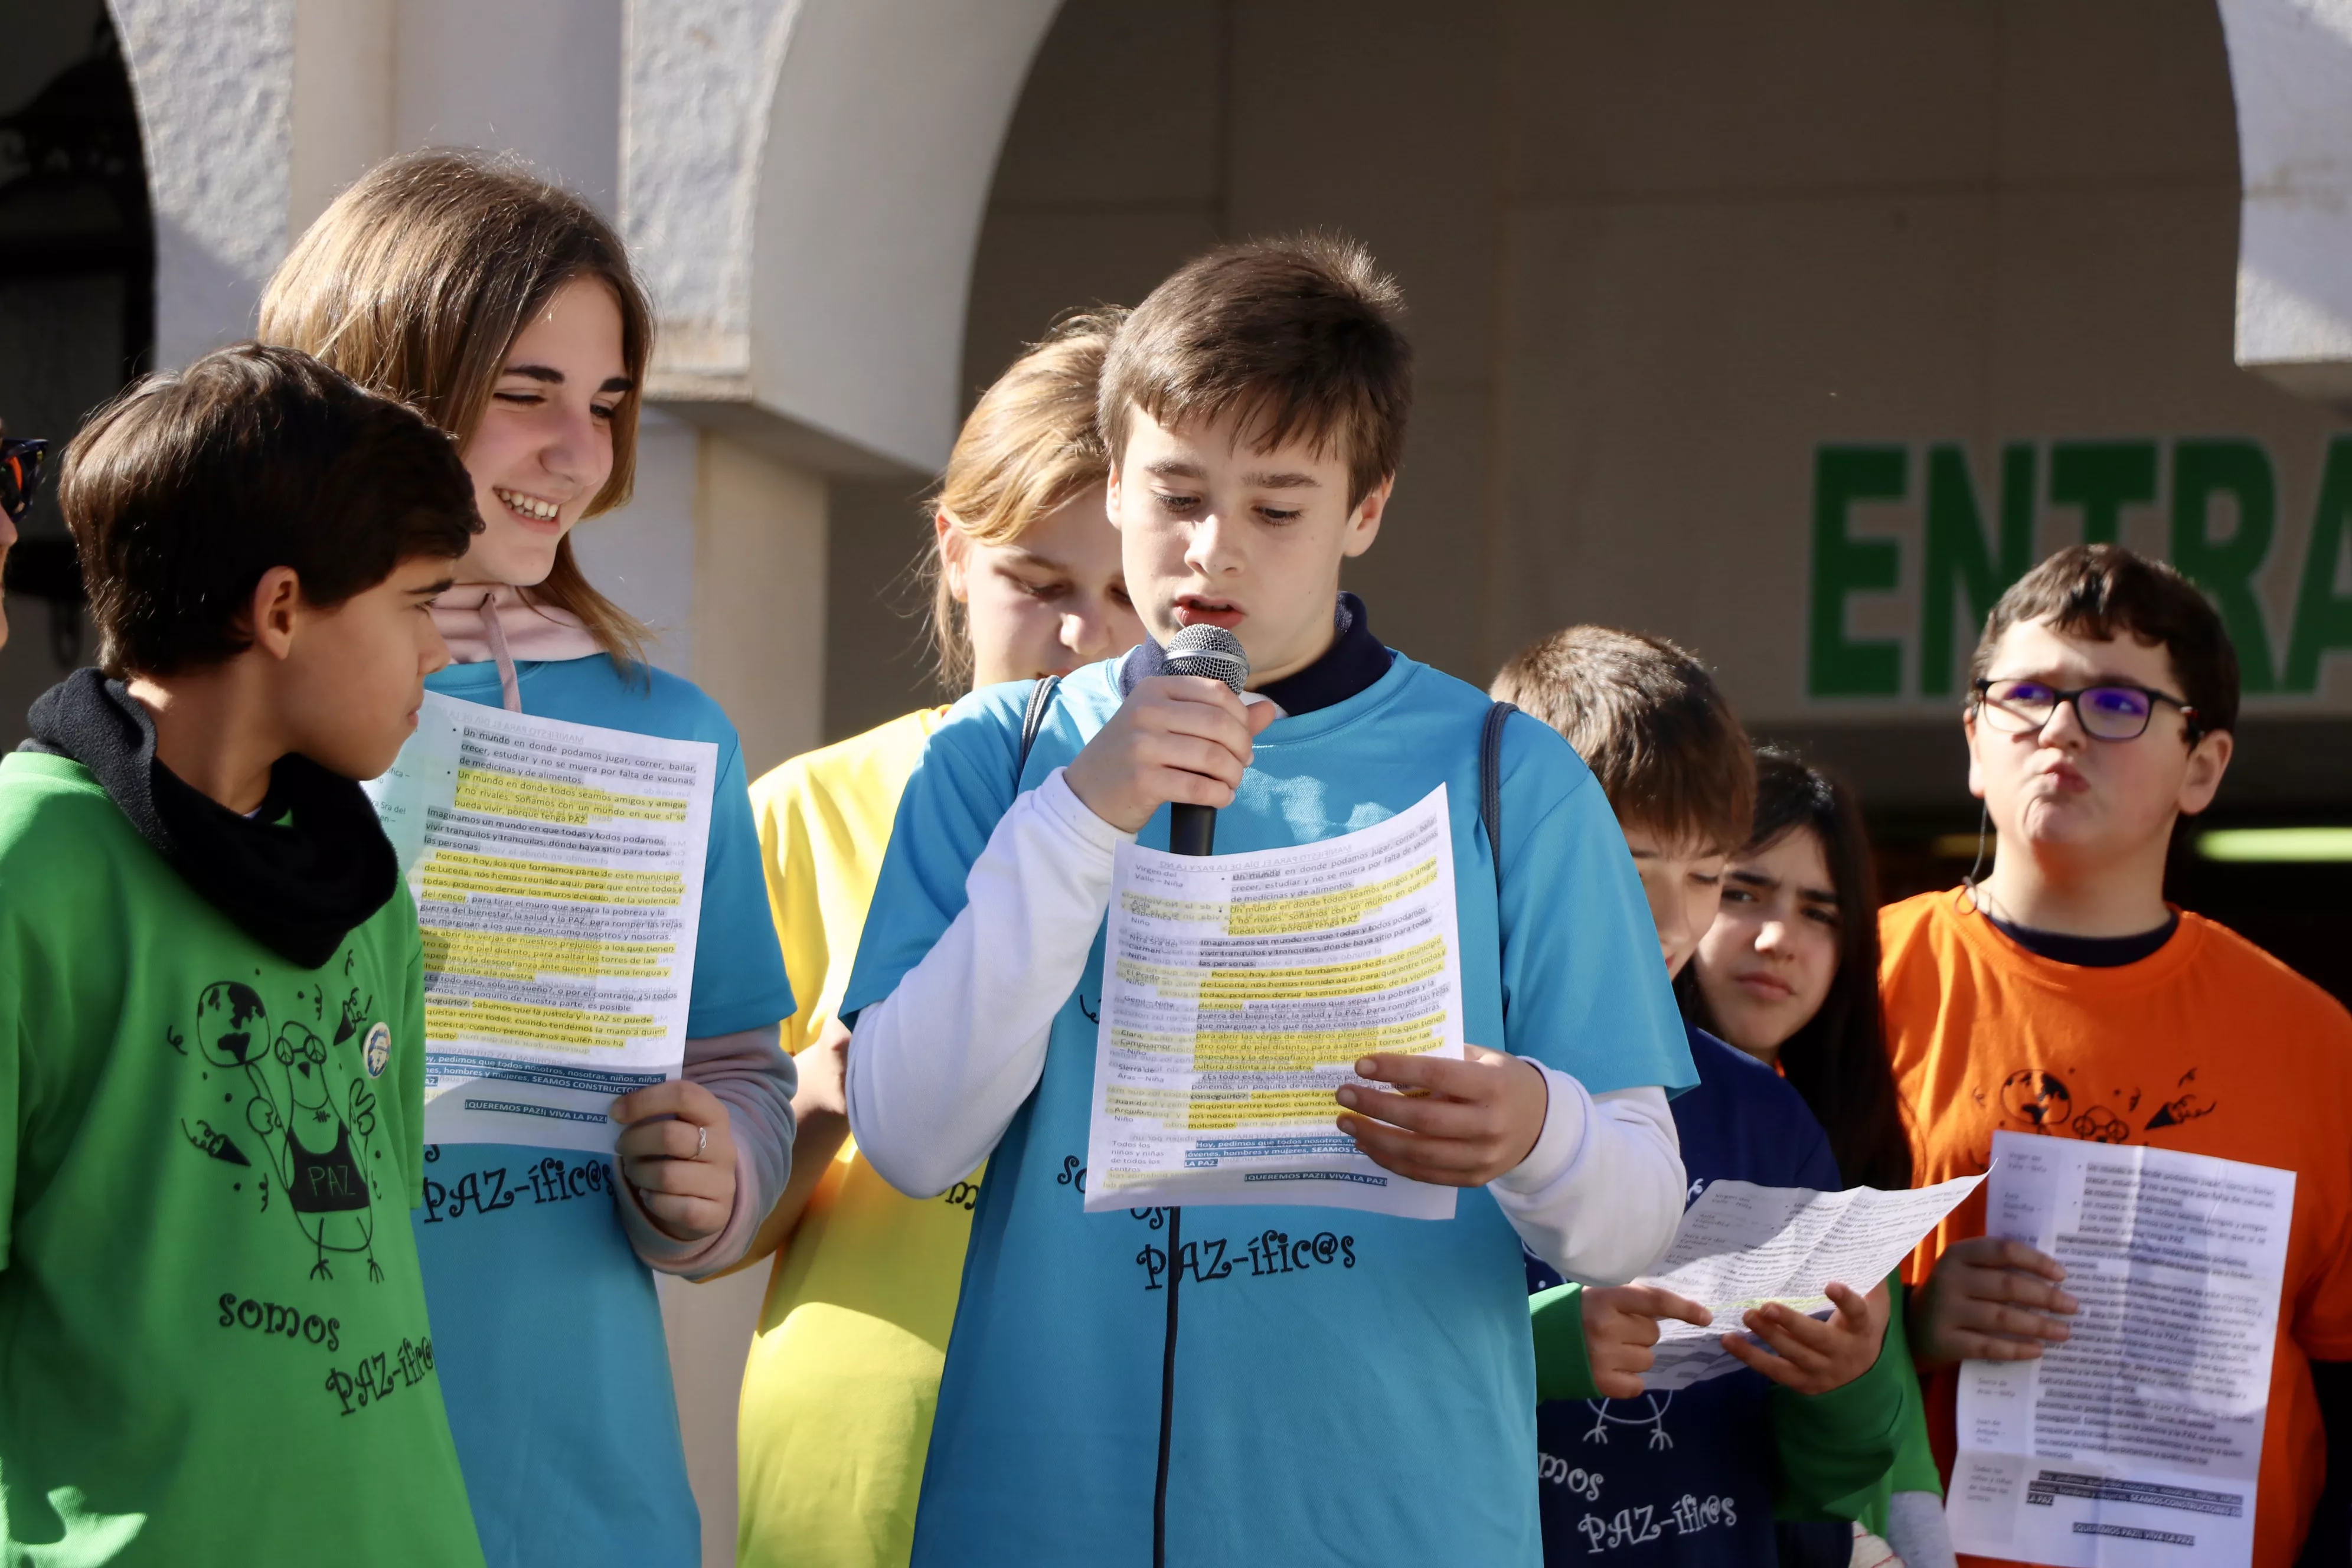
[[1684, 1478]]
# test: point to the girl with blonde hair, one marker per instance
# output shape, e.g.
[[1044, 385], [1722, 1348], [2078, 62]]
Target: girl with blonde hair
[[505, 309], [845, 1370]]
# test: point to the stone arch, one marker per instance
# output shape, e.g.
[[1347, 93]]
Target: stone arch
[[803, 185], [803, 180], [215, 88]]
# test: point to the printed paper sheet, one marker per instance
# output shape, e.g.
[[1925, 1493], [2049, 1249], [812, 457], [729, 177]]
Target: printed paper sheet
[[1238, 993], [558, 873], [1741, 1245], [2139, 1439]]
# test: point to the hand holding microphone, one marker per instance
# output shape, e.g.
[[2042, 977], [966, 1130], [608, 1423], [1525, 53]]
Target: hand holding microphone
[[1183, 739]]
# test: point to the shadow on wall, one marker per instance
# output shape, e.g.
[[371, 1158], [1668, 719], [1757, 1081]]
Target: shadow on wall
[[879, 649]]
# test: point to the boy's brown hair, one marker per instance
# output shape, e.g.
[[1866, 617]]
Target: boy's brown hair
[[1298, 336], [1648, 720], [189, 487], [2103, 591]]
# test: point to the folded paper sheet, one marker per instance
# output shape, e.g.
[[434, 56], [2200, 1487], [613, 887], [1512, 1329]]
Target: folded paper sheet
[[2139, 1439], [1741, 1245], [558, 872], [1238, 993]]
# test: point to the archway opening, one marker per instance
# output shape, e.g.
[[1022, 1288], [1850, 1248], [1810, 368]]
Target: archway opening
[[76, 297], [1678, 272]]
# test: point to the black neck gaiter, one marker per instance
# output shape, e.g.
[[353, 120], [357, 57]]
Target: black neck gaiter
[[297, 875]]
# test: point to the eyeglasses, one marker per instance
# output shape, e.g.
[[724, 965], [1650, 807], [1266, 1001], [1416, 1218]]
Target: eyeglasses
[[2105, 712], [20, 474]]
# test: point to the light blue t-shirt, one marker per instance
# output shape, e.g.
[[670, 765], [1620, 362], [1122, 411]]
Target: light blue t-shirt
[[545, 1328], [1350, 1387]]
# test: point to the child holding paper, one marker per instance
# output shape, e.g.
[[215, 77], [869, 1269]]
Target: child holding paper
[[212, 1025], [1789, 974], [1807, 1435], [1343, 1385], [845, 1370], [506, 310], [2062, 995]]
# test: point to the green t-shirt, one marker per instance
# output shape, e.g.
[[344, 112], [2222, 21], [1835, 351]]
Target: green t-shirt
[[213, 1340]]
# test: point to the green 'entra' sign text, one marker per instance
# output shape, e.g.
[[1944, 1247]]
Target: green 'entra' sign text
[[2224, 521]]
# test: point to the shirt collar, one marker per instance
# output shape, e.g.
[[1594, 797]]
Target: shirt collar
[[1355, 662]]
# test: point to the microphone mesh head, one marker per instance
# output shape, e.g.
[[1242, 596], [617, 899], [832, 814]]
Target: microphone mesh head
[[1213, 651]]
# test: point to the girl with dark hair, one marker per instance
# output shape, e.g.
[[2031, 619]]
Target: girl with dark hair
[[1789, 972]]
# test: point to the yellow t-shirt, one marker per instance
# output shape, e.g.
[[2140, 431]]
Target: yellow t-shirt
[[844, 1368]]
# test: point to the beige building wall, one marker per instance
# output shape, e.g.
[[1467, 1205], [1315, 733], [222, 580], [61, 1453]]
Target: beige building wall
[[1650, 281], [1660, 252], [759, 597], [754, 591]]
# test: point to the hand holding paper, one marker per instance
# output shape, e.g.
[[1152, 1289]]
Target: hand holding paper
[[2136, 1439], [1812, 1356], [1989, 1298], [678, 1152], [1621, 1325], [557, 870], [1241, 992], [1456, 1123], [1768, 1254]]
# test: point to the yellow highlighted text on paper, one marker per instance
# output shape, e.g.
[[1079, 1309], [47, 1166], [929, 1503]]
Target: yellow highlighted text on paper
[[562, 1029], [451, 874], [1306, 1050], [1180, 1112], [550, 800], [1153, 906], [1228, 989], [1301, 1050], [503, 955], [1326, 911]]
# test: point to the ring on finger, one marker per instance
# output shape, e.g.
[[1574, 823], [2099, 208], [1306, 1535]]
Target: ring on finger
[[701, 1141]]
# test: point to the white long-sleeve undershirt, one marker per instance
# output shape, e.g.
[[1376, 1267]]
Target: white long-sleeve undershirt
[[939, 1068]]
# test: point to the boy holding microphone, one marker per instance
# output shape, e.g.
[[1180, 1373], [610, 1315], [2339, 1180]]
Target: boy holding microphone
[[1253, 408]]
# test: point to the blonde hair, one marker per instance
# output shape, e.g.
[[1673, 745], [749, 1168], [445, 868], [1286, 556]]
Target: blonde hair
[[415, 284], [1028, 447]]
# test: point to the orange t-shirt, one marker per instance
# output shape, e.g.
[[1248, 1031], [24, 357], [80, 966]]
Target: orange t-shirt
[[2209, 1045]]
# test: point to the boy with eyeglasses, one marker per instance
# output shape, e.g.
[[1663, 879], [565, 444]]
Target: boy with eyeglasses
[[2060, 995]]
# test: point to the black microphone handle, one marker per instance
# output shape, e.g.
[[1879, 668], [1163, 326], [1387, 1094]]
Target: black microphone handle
[[1191, 829]]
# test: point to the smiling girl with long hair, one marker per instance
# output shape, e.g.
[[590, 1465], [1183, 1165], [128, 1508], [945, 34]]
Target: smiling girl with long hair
[[506, 311]]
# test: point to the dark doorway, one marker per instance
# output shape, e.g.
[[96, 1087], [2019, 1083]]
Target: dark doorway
[[77, 295]]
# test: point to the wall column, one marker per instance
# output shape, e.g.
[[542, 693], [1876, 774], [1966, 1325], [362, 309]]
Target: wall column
[[759, 597], [2291, 67], [757, 648]]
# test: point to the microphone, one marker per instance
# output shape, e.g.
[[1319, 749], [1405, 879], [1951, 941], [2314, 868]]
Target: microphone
[[1217, 654]]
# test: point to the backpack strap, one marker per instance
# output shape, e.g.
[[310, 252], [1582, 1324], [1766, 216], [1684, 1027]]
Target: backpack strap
[[1490, 784], [1040, 702]]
